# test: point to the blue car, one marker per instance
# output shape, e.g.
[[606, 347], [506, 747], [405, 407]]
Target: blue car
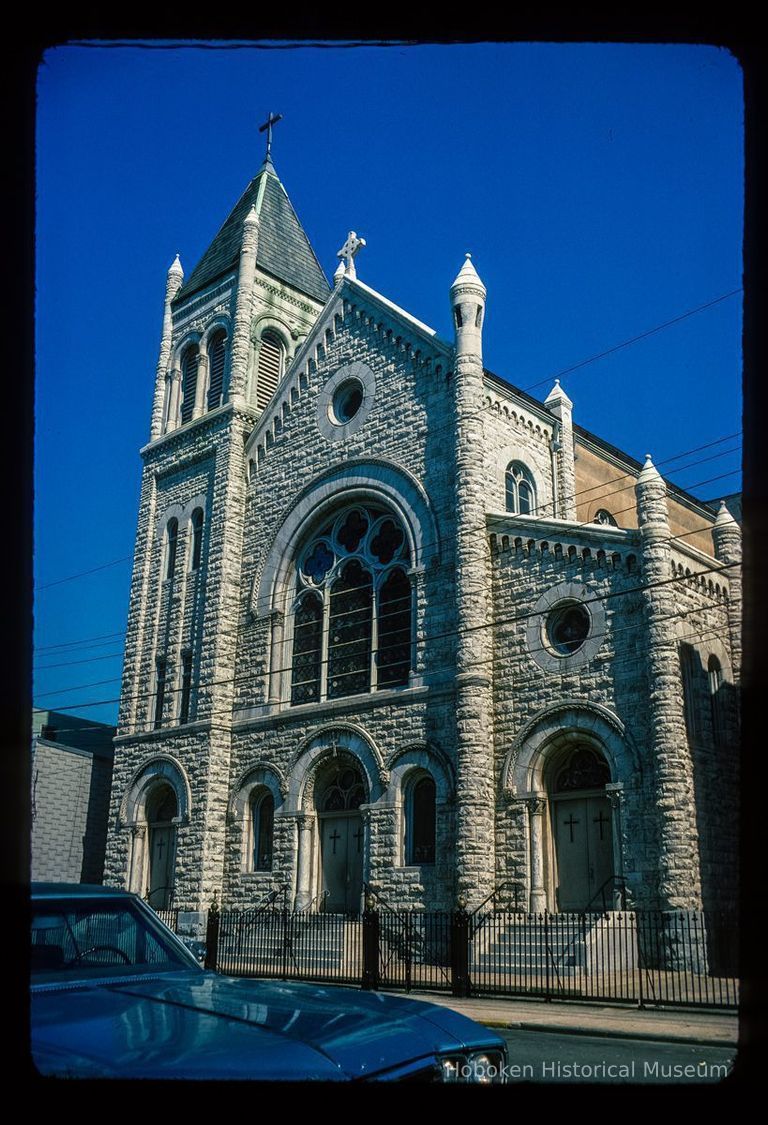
[[116, 994]]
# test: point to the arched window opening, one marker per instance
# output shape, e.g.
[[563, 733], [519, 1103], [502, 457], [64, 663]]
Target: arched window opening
[[420, 821], [190, 362], [349, 642], [520, 489], [353, 608], [262, 829], [307, 650], [271, 366], [171, 547], [603, 516], [715, 675], [688, 662], [582, 769], [186, 686], [394, 630], [197, 538], [216, 357], [161, 671]]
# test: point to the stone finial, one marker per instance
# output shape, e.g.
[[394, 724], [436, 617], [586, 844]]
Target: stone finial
[[176, 267], [468, 277], [251, 217], [557, 397], [725, 518], [649, 472], [339, 272]]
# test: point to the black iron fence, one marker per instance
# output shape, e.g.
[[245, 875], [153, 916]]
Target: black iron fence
[[638, 957]]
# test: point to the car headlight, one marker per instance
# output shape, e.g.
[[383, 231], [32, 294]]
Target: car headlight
[[485, 1068]]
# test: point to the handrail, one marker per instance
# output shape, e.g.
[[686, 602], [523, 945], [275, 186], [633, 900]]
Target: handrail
[[320, 895], [500, 886], [600, 891]]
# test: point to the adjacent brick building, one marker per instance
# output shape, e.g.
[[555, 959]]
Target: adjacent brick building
[[395, 621]]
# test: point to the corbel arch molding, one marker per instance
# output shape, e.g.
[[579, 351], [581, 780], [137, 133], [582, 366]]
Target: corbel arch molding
[[420, 756], [376, 481], [159, 767], [569, 721], [334, 740], [268, 322], [167, 514], [261, 774]]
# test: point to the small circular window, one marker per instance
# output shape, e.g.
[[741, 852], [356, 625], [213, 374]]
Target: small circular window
[[568, 628], [346, 402]]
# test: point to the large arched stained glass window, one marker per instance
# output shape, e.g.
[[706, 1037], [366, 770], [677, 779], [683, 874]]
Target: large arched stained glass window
[[352, 613]]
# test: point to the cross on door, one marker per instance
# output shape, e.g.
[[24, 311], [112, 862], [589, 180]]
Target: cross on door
[[569, 823], [335, 837], [600, 820], [358, 836], [159, 848]]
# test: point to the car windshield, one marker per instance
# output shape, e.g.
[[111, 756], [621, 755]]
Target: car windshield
[[87, 939]]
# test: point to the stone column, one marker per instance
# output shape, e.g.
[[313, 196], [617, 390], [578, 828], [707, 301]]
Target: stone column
[[275, 656], [537, 807], [201, 386], [679, 886], [242, 320], [564, 488], [136, 858], [475, 820], [726, 536], [416, 577], [172, 285], [305, 823], [174, 399]]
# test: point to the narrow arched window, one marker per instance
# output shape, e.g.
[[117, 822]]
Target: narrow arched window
[[160, 677], [189, 364], [715, 675], [271, 365], [520, 489], [186, 686], [171, 547], [688, 663], [216, 357], [197, 539], [420, 822], [349, 626], [307, 646], [394, 630], [262, 829]]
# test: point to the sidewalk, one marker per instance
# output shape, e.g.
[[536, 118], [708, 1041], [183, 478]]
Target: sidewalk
[[673, 1025]]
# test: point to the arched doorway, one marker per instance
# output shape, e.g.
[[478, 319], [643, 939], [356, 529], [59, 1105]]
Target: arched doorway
[[161, 810], [582, 830], [339, 794]]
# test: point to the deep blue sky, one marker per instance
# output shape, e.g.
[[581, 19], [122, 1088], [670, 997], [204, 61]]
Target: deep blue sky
[[598, 187]]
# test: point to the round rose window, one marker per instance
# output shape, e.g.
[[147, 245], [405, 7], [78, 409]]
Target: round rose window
[[347, 400], [568, 628]]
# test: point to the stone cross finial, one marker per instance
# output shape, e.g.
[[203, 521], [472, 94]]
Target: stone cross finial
[[349, 250]]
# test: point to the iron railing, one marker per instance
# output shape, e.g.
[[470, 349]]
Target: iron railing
[[638, 957]]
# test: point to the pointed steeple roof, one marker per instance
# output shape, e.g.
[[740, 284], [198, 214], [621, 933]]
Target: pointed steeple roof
[[284, 251]]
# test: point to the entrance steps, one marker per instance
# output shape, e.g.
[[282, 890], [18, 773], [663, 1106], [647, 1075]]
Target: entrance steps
[[526, 945]]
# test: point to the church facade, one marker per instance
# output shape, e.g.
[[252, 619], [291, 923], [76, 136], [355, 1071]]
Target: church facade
[[394, 622]]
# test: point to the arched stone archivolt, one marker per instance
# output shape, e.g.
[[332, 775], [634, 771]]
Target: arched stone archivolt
[[260, 775], [154, 770], [419, 756], [375, 482], [569, 721], [322, 747]]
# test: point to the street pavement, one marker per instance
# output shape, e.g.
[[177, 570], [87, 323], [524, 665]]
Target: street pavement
[[671, 1025]]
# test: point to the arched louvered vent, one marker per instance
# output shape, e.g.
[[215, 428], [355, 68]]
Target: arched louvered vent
[[189, 365], [216, 356], [270, 368]]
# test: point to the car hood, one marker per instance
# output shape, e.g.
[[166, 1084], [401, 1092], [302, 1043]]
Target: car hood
[[202, 1025]]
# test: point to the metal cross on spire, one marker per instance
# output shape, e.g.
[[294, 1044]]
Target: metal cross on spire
[[271, 120], [348, 252]]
